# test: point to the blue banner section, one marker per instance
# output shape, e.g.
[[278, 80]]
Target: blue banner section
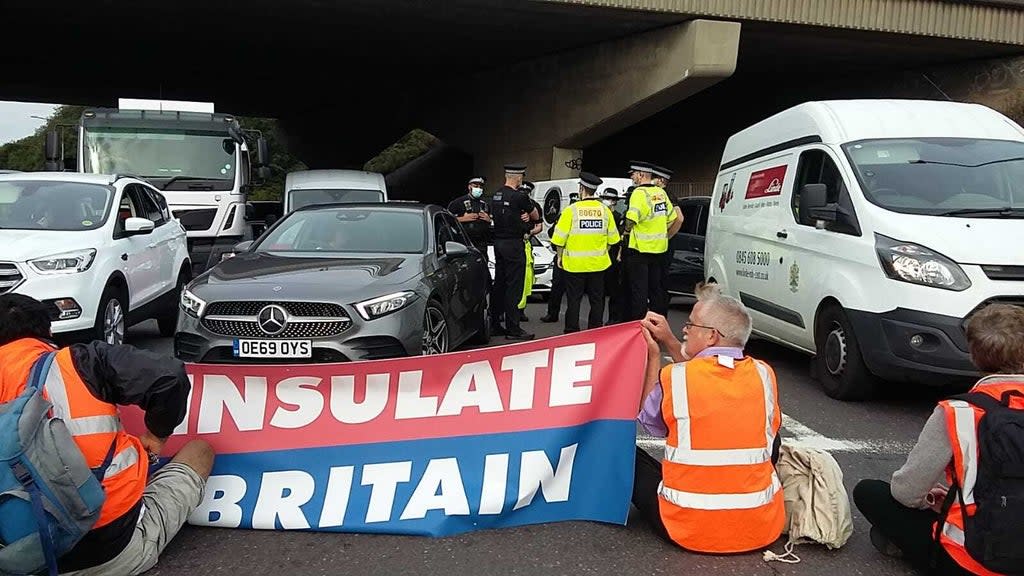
[[434, 487]]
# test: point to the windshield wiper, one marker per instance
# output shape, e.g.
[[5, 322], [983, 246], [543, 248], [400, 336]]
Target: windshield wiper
[[1016, 159], [1004, 212], [174, 179]]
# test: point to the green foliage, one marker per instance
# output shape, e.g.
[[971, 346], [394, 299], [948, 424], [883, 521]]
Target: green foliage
[[26, 154], [281, 160], [408, 148]]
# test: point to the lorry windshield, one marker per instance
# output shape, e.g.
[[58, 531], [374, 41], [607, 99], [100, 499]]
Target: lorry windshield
[[158, 153], [942, 176], [42, 205], [308, 196]]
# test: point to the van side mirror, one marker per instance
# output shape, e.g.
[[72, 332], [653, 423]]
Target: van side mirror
[[52, 151], [814, 205], [250, 210]]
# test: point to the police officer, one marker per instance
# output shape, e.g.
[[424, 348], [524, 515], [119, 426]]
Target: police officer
[[647, 222], [610, 198], [535, 227], [474, 213], [661, 178], [557, 277], [582, 236], [511, 211]]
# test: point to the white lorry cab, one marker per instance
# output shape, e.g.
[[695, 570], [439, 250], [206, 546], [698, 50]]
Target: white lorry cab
[[867, 232], [308, 187], [556, 195]]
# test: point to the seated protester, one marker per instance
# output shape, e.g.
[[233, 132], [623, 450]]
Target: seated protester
[[906, 514], [86, 383], [716, 491]]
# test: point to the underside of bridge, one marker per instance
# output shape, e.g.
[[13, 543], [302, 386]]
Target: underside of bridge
[[542, 81]]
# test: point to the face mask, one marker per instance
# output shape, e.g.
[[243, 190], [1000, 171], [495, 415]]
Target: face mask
[[609, 203], [476, 192]]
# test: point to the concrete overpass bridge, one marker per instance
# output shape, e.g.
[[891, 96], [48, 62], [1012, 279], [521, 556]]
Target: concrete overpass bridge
[[546, 81]]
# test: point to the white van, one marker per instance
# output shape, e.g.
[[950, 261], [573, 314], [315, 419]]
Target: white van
[[332, 186], [554, 196], [867, 232]]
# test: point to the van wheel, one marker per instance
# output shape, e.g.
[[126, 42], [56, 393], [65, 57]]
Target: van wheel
[[111, 316], [168, 319], [839, 365]]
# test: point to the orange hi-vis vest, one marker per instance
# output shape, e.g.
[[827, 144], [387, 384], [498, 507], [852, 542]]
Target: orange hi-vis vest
[[719, 491], [94, 424], [962, 420]]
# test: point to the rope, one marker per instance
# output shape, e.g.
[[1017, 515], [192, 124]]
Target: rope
[[788, 558]]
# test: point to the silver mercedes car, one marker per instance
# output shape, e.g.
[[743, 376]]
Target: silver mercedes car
[[339, 282]]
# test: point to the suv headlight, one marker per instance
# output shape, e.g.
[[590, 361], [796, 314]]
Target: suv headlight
[[66, 263], [192, 304], [916, 264], [377, 307]]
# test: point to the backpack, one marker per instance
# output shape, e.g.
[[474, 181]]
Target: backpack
[[49, 497], [993, 536], [817, 506]]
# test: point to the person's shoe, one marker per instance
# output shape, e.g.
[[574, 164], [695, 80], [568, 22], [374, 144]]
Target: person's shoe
[[521, 335], [549, 319], [522, 316], [497, 329], [883, 544]]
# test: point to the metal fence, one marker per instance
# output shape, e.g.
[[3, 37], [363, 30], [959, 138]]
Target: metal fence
[[687, 189]]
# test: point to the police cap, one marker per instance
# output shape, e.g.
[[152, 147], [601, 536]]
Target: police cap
[[590, 181], [609, 193], [527, 187], [515, 168], [638, 166], [478, 180], [661, 172]]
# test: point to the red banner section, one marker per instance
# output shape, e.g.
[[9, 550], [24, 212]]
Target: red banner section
[[552, 383], [766, 183]]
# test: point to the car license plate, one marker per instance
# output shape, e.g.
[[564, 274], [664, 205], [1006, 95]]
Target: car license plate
[[273, 349]]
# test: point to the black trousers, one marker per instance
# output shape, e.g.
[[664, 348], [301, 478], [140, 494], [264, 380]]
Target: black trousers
[[645, 284], [619, 296], [509, 277], [577, 284], [557, 291], [646, 478], [908, 529]]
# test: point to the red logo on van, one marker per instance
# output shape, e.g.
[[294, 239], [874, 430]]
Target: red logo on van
[[766, 183]]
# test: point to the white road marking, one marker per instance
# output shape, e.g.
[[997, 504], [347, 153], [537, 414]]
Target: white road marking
[[799, 435]]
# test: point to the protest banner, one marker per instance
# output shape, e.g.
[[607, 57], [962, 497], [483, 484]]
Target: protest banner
[[528, 433]]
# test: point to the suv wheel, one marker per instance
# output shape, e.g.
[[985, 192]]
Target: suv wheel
[[111, 316], [168, 320]]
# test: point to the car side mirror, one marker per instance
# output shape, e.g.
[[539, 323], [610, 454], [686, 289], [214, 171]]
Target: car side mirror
[[814, 205], [138, 226], [455, 249], [242, 247]]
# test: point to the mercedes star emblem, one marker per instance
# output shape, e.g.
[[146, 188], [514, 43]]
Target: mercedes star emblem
[[272, 319]]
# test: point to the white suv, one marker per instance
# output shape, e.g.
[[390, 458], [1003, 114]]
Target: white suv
[[105, 250]]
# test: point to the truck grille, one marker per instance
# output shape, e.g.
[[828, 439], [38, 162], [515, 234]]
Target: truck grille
[[197, 218], [305, 320], [10, 277]]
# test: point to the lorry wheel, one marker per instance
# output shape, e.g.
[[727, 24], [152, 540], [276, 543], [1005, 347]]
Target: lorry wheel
[[168, 320], [839, 365]]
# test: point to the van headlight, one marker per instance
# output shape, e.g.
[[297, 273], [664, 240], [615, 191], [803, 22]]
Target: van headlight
[[66, 263], [192, 304], [916, 264], [384, 305]]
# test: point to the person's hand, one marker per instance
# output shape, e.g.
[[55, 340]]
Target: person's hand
[[472, 215], [653, 349], [936, 497], [658, 327], [484, 216], [525, 217], [152, 444], [559, 261]]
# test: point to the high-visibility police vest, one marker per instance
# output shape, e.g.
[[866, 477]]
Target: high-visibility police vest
[[719, 491], [962, 421], [651, 211], [585, 230], [94, 425]]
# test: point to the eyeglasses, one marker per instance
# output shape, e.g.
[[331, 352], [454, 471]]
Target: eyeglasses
[[689, 325]]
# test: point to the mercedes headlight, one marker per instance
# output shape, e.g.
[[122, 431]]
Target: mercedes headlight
[[66, 263], [192, 304], [916, 264], [384, 305]]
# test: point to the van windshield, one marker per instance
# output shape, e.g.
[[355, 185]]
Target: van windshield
[[310, 196], [942, 176]]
